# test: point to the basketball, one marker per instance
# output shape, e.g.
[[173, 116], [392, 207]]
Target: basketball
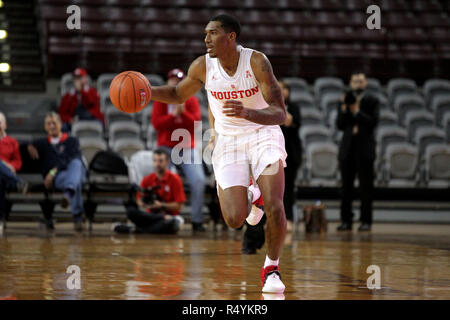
[[130, 91]]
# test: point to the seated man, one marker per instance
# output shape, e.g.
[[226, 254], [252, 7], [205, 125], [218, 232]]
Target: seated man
[[80, 103], [167, 118], [62, 166], [10, 163], [159, 202]]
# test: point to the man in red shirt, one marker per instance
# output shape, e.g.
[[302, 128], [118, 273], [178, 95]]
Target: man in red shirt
[[166, 118], [160, 199], [10, 163], [81, 103]]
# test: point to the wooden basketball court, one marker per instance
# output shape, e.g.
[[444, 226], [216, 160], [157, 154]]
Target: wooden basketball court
[[414, 262]]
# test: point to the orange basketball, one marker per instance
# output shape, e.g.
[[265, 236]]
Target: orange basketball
[[130, 91]]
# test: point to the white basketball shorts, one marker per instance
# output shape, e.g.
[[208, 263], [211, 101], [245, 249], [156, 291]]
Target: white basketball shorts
[[238, 157]]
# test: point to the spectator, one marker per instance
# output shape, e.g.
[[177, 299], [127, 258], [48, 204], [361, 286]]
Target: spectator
[[294, 150], [10, 163], [159, 201], [62, 165], [166, 119], [80, 103], [357, 117]]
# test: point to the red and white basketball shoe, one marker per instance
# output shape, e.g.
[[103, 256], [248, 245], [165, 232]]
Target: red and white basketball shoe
[[271, 280]]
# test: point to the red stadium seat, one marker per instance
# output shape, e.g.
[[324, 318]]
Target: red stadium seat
[[400, 19], [312, 34], [367, 35], [304, 18], [225, 4], [435, 19], [106, 44], [192, 15], [59, 28], [439, 34], [340, 34], [188, 3], [398, 5], [375, 51], [314, 50], [105, 29], [64, 45], [346, 50], [260, 4], [418, 51], [124, 3], [330, 5], [426, 6], [269, 33], [156, 29], [298, 4], [50, 12], [408, 35]]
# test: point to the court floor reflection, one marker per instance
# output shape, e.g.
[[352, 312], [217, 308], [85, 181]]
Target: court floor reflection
[[33, 265]]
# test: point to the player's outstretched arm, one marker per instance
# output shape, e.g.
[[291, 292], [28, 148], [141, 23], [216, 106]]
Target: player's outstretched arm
[[276, 112], [188, 87]]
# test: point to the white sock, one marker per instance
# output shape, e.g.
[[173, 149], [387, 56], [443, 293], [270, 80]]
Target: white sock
[[255, 191], [270, 262]]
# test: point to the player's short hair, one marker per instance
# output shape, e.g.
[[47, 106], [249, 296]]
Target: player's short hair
[[160, 151], [229, 23]]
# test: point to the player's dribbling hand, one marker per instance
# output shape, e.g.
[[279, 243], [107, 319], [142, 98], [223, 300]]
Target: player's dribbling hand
[[234, 108]]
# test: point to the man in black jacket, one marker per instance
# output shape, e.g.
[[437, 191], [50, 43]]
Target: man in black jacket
[[62, 166], [357, 117]]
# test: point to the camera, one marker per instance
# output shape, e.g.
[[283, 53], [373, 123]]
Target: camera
[[350, 98], [149, 195]]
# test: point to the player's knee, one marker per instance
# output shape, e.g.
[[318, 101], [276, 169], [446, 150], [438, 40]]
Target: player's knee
[[275, 209], [234, 221], [234, 218]]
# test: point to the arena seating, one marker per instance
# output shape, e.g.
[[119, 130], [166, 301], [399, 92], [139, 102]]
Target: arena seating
[[418, 116], [406, 117], [302, 38]]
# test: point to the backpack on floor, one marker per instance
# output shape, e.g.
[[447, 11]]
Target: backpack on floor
[[315, 218]]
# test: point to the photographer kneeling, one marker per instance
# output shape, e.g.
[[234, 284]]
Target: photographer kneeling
[[159, 200]]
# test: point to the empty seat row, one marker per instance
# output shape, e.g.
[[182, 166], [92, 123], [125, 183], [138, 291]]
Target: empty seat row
[[248, 15], [322, 5], [402, 165], [126, 147]]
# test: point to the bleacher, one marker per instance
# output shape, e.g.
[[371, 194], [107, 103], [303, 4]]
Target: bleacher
[[303, 38], [413, 120]]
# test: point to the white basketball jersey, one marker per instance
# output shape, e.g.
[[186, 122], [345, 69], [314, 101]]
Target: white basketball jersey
[[241, 86]]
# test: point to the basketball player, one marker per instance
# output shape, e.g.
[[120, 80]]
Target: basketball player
[[246, 109]]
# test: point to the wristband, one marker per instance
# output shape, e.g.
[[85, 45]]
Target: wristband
[[53, 172]]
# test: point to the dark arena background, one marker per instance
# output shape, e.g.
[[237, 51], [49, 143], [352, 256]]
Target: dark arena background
[[402, 47]]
